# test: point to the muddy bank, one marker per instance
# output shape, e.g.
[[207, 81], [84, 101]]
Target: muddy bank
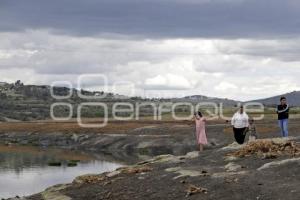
[[266, 169], [149, 140], [221, 172], [132, 141]]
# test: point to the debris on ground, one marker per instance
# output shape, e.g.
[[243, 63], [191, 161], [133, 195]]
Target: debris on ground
[[231, 180], [269, 155], [192, 189], [136, 169], [232, 167], [268, 149], [89, 179]]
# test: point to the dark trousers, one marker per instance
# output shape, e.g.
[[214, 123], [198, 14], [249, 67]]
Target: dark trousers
[[239, 134]]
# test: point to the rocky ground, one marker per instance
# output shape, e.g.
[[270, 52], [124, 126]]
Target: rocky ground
[[266, 169], [142, 139]]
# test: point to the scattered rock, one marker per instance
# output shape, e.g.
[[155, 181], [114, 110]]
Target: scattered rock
[[227, 174], [213, 142], [112, 174], [269, 155], [278, 163], [165, 158], [53, 193], [231, 180], [145, 145], [185, 172], [192, 189], [191, 155], [75, 137], [231, 158], [233, 146], [232, 167]]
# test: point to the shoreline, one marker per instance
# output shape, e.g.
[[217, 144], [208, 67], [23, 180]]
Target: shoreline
[[231, 172], [164, 152]]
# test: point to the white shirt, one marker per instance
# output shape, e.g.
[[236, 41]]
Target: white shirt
[[240, 120]]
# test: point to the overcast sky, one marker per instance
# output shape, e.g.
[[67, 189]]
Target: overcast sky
[[240, 49]]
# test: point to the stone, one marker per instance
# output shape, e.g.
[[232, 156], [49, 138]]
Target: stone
[[185, 172], [232, 167], [75, 137], [231, 158], [53, 193], [233, 146], [279, 163], [227, 174], [112, 174], [192, 155]]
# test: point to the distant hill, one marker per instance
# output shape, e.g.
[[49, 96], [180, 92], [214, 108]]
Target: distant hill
[[33, 102], [293, 99], [200, 98]]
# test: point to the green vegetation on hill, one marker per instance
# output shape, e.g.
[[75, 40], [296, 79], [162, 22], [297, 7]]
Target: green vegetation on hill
[[33, 102]]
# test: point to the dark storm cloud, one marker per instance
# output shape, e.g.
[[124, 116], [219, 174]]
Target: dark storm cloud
[[155, 19]]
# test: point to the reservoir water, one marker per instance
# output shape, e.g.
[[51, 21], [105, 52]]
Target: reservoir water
[[30, 170]]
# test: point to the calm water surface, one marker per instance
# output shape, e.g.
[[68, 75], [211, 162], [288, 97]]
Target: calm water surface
[[26, 170]]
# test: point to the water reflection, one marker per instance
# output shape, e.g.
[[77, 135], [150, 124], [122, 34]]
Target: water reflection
[[25, 170]]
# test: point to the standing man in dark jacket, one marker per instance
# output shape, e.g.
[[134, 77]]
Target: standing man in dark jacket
[[283, 116]]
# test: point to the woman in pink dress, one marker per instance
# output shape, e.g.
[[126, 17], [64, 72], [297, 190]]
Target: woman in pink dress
[[200, 122]]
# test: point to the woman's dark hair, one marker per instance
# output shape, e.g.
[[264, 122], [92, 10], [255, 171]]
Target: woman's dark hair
[[200, 114], [282, 98]]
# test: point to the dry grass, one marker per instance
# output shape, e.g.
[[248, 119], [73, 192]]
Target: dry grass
[[90, 179], [73, 127], [136, 169], [192, 189], [269, 149]]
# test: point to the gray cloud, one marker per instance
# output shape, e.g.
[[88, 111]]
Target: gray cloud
[[241, 49], [156, 18], [287, 50]]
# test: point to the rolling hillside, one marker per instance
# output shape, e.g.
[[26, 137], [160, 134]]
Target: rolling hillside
[[32, 102], [293, 99]]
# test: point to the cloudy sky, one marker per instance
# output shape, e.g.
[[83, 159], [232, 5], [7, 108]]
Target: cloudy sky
[[240, 49]]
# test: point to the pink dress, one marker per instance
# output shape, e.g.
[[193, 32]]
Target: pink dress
[[200, 131]]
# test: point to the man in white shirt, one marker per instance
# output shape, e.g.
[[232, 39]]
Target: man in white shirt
[[240, 123]]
